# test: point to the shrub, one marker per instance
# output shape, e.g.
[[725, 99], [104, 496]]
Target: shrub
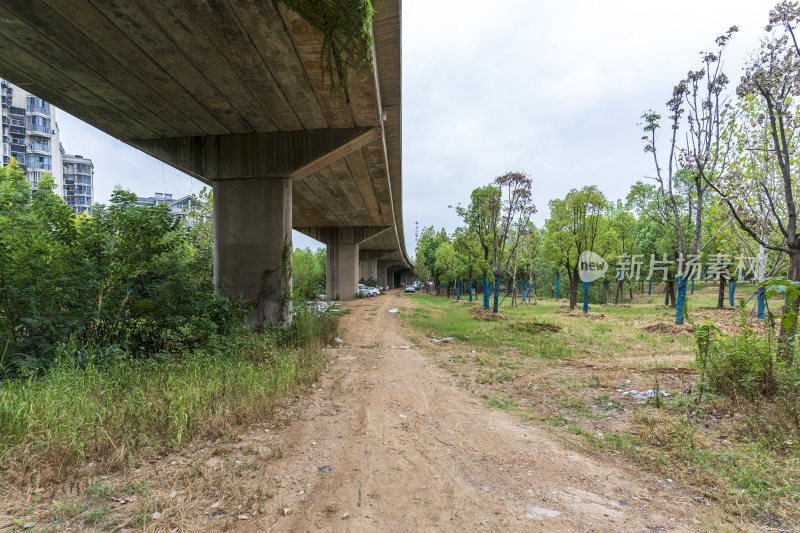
[[129, 275]]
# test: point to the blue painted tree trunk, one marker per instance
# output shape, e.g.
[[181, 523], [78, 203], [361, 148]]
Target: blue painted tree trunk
[[458, 290], [485, 292], [692, 286], [558, 288], [681, 301], [470, 291], [731, 292], [666, 295], [585, 296], [761, 301], [649, 288], [496, 307]]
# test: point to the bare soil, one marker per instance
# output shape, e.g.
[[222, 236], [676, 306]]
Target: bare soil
[[409, 451], [386, 442]]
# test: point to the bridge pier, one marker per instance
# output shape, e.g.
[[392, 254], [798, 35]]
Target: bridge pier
[[253, 245], [343, 256], [368, 269]]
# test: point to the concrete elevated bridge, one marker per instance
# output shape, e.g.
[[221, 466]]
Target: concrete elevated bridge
[[232, 93]]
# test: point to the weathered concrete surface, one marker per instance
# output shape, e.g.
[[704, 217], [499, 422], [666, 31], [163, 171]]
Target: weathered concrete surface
[[227, 90], [252, 245]]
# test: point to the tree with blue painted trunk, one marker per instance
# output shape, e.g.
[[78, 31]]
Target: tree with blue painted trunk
[[685, 182], [497, 215], [575, 225], [479, 219], [758, 187]]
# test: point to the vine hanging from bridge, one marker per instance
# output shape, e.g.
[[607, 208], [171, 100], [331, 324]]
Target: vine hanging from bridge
[[347, 29]]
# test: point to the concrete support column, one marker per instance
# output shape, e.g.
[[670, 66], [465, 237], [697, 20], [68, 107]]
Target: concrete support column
[[390, 272], [253, 245], [383, 274], [368, 269], [342, 274]]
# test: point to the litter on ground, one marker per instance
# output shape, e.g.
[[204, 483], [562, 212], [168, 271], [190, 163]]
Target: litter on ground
[[642, 395], [446, 339]]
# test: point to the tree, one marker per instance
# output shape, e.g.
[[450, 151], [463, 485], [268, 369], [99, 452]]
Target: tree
[[623, 224], [573, 227], [480, 218], [308, 273], [509, 214], [770, 83], [690, 168]]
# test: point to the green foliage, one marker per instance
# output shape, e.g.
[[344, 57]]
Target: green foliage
[[347, 29], [129, 276], [308, 273], [99, 408]]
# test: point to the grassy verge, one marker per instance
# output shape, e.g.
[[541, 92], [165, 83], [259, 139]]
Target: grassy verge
[[581, 378], [117, 411]]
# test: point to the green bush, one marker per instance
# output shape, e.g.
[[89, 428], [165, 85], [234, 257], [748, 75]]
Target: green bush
[[105, 405], [128, 275], [747, 370]]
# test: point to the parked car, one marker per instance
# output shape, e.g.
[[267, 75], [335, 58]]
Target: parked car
[[369, 292], [410, 288]]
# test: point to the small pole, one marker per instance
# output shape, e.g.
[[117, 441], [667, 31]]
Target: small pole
[[681, 300], [649, 288], [585, 296], [762, 302], [731, 292]]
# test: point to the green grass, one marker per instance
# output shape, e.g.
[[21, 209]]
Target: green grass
[[571, 380], [116, 410], [618, 332]]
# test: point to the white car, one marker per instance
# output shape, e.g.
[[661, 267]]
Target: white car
[[369, 292], [410, 288]]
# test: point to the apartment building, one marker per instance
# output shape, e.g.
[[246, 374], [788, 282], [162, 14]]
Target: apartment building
[[78, 172], [30, 135], [185, 207]]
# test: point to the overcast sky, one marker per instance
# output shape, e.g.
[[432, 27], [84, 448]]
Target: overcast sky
[[552, 88]]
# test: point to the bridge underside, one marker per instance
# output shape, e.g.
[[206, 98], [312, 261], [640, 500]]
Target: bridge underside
[[232, 93]]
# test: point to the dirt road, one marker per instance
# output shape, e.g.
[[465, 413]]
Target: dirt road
[[387, 443]]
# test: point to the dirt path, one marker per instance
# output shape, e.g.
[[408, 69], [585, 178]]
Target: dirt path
[[387, 443]]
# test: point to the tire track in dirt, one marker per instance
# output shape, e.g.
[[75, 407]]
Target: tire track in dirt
[[409, 451]]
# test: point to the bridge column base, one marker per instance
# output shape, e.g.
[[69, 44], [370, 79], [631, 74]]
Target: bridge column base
[[368, 269], [342, 275], [253, 246]]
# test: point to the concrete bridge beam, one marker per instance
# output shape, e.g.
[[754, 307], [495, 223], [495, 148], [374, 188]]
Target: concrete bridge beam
[[253, 245]]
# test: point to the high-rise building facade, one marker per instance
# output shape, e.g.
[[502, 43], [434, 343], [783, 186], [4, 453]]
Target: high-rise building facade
[[30, 135], [78, 182]]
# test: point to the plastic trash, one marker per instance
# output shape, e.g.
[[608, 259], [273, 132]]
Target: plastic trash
[[445, 339], [337, 339], [218, 512], [642, 395], [394, 310], [538, 512], [404, 347], [325, 469]]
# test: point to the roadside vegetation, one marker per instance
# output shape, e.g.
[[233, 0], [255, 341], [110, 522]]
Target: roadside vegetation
[[623, 380], [676, 345], [114, 348]]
